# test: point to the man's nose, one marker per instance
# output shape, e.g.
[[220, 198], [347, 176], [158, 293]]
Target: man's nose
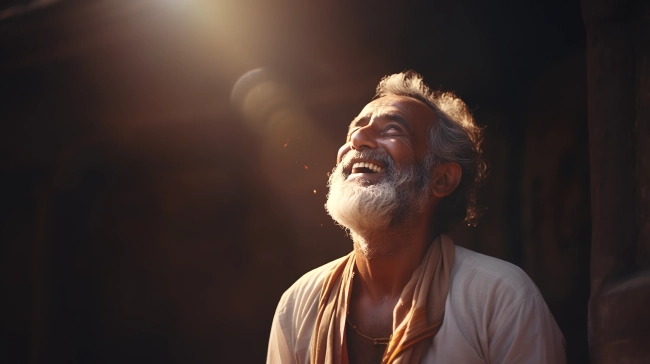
[[363, 138]]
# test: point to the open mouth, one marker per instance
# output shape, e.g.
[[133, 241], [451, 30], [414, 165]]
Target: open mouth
[[366, 167]]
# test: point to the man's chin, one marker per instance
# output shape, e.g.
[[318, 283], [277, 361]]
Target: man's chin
[[358, 223], [362, 229], [371, 250]]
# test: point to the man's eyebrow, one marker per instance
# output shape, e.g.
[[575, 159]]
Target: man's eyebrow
[[358, 119], [356, 122], [389, 115]]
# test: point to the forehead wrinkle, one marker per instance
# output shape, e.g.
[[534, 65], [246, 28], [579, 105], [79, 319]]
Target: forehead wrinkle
[[395, 110], [380, 113]]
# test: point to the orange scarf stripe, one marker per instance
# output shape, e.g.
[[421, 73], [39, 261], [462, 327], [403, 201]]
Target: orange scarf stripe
[[407, 345]]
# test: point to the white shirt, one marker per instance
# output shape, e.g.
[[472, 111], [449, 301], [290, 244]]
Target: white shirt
[[494, 314]]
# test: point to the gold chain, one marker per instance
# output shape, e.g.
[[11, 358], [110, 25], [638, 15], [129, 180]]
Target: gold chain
[[376, 341]]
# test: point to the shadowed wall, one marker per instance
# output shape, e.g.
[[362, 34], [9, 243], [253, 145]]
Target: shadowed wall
[[618, 65]]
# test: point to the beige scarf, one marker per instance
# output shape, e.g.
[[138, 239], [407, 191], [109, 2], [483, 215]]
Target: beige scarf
[[413, 323]]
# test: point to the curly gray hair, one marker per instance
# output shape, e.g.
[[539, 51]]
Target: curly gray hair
[[455, 138]]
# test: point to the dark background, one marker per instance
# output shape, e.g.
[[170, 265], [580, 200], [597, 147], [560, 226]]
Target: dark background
[[151, 211]]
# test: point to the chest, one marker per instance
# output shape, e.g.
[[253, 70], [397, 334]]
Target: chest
[[367, 339]]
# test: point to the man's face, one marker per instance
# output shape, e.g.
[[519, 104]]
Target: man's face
[[396, 125], [380, 178]]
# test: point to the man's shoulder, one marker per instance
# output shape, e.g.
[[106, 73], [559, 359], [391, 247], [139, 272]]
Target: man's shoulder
[[494, 313], [490, 275], [297, 310], [307, 288], [314, 278]]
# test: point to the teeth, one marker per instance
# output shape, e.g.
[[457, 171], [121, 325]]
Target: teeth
[[375, 168]]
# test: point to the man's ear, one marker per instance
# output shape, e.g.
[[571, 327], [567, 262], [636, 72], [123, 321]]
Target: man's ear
[[446, 178]]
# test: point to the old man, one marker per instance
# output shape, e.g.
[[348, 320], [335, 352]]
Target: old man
[[407, 173]]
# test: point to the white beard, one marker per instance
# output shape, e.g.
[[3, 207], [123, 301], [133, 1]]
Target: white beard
[[370, 209]]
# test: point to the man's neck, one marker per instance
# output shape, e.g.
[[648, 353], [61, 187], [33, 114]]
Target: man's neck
[[383, 278]]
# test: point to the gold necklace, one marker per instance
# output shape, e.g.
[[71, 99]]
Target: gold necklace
[[376, 341]]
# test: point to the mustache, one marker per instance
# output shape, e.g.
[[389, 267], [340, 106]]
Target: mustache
[[371, 154]]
